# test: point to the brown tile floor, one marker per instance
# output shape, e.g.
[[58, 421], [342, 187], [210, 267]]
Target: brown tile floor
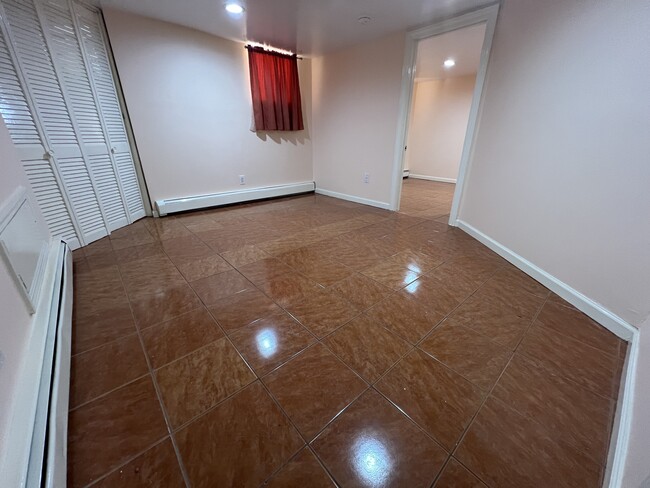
[[310, 341]]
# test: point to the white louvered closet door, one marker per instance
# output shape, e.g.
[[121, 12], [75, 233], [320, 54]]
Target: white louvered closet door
[[63, 125], [91, 32], [27, 137], [35, 62], [69, 60]]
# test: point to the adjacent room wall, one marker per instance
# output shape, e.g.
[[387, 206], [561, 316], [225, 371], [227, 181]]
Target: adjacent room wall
[[437, 126], [188, 97], [15, 320], [356, 103]]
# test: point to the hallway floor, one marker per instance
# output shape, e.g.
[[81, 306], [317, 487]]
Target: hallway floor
[[309, 341]]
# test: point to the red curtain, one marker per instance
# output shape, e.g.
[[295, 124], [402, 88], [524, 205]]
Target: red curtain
[[275, 90]]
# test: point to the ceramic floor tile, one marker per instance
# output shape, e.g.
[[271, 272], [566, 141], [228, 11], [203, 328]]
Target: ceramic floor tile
[[405, 316], [472, 355], [99, 328], [100, 246], [506, 449], [289, 288], [313, 388], [156, 467], [301, 472], [196, 269], [573, 323], [243, 308], [187, 248], [271, 341], [571, 414], [169, 303], [213, 288], [244, 255], [107, 432], [177, 337], [361, 291], [511, 278], [435, 295], [372, 444], [439, 400], [240, 443], [455, 475], [149, 276], [367, 347], [322, 311], [586, 365], [499, 322], [265, 270], [136, 253], [105, 368], [194, 383], [163, 229], [524, 304], [326, 272], [134, 239], [401, 269], [98, 291]]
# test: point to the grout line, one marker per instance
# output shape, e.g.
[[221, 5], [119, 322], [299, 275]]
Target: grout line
[[130, 459], [489, 394], [157, 390]]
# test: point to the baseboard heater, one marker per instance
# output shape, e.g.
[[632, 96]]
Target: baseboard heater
[[173, 205], [37, 436]]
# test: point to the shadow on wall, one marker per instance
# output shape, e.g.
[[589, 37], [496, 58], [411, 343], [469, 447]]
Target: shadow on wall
[[295, 138]]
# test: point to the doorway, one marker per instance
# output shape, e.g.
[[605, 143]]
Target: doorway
[[444, 71]]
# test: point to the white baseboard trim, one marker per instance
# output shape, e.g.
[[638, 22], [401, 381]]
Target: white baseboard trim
[[173, 205], [622, 427], [353, 198], [432, 178], [595, 310]]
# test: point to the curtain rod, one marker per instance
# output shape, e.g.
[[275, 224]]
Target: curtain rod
[[271, 50]]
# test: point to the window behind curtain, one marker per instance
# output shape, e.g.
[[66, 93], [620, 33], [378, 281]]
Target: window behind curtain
[[275, 90]]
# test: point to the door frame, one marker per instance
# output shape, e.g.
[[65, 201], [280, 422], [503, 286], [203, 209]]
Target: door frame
[[485, 14]]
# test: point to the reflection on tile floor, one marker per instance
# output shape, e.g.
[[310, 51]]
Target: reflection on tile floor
[[310, 341]]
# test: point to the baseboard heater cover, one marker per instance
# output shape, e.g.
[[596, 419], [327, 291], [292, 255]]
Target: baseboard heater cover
[[173, 205], [38, 432]]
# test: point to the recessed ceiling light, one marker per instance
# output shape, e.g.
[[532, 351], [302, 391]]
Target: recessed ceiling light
[[449, 63], [364, 19], [234, 8]]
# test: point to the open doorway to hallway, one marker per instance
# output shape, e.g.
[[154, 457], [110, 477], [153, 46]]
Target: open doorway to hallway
[[443, 87]]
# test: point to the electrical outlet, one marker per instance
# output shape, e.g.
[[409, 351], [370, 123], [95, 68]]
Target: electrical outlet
[[366, 177], [242, 179]]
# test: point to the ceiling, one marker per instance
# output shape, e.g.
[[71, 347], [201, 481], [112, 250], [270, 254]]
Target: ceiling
[[308, 27], [462, 45]]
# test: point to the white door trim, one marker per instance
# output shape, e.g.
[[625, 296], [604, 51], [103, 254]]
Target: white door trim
[[487, 15]]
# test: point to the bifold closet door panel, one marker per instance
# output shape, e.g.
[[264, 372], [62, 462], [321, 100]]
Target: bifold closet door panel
[[69, 60], [91, 33], [26, 136], [36, 66]]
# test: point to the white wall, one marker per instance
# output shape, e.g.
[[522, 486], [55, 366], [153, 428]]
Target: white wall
[[356, 103], [561, 165], [437, 126], [561, 162], [188, 97], [15, 319]]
